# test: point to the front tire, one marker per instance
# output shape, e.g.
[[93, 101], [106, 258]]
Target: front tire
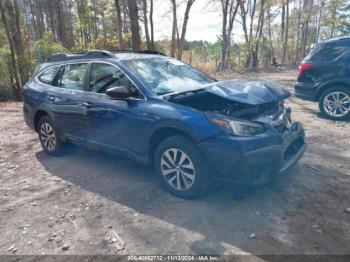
[[48, 137], [181, 167], [334, 103]]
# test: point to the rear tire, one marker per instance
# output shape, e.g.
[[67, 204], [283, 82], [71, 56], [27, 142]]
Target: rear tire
[[334, 103], [181, 167], [49, 138]]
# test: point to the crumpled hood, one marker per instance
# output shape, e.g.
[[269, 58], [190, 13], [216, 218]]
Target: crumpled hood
[[249, 91]]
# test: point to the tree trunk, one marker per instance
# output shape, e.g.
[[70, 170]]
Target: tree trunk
[[134, 25], [224, 41], [297, 48], [333, 15], [232, 11], [16, 84], [40, 18], [285, 44], [13, 16], [119, 24], [255, 53], [82, 21], [319, 21], [239, 57], [34, 20], [63, 23], [244, 10], [282, 34], [52, 19], [184, 28], [174, 29], [271, 51], [305, 28], [148, 40], [151, 23]]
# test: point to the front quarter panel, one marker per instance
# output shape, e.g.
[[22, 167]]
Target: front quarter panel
[[163, 114]]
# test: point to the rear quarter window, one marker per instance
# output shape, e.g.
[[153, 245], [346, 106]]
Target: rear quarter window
[[72, 76], [48, 75], [327, 53]]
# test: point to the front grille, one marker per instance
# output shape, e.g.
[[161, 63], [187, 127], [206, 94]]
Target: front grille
[[281, 120], [281, 128], [270, 108]]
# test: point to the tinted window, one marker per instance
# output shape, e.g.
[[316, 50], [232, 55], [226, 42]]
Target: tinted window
[[72, 76], [326, 53], [48, 75], [104, 76]]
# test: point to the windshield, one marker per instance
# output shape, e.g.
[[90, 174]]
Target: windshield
[[167, 75]]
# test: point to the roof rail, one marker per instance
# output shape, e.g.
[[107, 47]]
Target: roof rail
[[150, 52], [87, 55]]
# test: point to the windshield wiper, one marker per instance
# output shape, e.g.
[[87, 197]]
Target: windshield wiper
[[164, 93], [184, 93]]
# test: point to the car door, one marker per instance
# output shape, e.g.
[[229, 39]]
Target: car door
[[116, 124], [66, 99]]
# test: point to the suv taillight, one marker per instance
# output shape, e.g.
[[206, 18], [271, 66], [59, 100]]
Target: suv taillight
[[303, 67]]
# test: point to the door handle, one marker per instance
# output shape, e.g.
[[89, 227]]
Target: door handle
[[51, 97], [86, 104]]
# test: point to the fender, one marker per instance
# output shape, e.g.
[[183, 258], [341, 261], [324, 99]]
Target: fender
[[171, 123], [181, 127]]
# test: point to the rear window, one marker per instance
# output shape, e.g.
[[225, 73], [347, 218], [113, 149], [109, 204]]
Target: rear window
[[326, 53], [49, 75]]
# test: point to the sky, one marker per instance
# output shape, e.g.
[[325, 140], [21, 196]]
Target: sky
[[205, 22]]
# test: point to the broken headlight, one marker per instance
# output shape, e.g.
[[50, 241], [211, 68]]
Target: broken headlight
[[236, 127]]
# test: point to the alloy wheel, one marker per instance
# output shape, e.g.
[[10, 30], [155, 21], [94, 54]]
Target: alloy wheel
[[177, 169], [48, 136], [337, 104]]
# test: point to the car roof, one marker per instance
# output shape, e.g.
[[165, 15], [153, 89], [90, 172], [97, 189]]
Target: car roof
[[105, 54], [60, 59], [125, 56], [345, 39]]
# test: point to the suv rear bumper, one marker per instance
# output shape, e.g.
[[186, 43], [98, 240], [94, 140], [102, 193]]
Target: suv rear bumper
[[305, 91], [268, 157]]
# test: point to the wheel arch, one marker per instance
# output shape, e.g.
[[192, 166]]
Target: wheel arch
[[37, 116], [162, 133], [329, 85]]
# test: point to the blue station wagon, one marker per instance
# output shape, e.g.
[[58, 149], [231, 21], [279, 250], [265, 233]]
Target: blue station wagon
[[158, 110]]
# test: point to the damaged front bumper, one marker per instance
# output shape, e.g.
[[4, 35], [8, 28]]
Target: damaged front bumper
[[253, 160]]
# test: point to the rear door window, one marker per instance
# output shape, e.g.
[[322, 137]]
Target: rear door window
[[72, 76], [49, 75]]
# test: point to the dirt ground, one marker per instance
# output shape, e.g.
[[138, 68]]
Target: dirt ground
[[89, 202]]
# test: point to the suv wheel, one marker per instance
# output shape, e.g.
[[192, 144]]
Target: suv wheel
[[181, 168], [335, 103], [48, 137]]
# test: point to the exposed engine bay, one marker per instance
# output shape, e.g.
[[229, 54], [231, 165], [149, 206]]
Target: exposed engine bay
[[257, 101], [208, 102]]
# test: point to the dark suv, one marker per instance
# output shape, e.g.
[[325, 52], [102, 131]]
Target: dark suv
[[158, 110], [324, 76]]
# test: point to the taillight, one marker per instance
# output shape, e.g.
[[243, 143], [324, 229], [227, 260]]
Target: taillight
[[303, 67]]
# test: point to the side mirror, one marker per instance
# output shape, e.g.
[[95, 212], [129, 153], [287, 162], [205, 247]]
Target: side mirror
[[118, 92]]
